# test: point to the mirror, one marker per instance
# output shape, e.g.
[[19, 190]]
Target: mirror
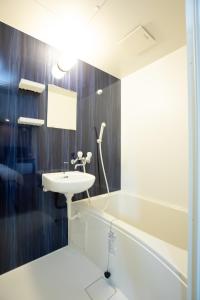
[[61, 112]]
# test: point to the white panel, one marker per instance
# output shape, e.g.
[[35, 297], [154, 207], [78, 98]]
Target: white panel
[[137, 40], [61, 108], [193, 39], [155, 131]]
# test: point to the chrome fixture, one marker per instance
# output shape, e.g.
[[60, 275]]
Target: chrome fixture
[[81, 161]]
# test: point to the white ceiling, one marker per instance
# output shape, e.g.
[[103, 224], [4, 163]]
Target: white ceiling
[[101, 30]]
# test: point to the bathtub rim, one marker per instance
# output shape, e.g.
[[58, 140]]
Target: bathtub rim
[[146, 199], [136, 234]]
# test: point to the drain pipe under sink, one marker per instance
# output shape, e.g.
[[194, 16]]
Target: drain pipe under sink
[[68, 197]]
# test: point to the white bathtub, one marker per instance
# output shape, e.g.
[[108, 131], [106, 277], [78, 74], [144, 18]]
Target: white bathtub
[[148, 259]]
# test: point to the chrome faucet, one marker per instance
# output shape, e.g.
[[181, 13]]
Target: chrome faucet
[[81, 161], [79, 165]]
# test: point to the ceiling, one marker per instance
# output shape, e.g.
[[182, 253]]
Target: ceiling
[[102, 32]]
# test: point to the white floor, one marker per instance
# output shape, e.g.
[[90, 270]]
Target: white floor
[[61, 275]]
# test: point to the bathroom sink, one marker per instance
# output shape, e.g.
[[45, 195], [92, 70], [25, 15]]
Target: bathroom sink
[[71, 182]]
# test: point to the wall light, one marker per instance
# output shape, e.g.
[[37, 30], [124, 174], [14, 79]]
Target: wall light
[[56, 72], [66, 62]]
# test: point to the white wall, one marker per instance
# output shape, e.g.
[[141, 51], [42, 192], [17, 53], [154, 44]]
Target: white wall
[[155, 131]]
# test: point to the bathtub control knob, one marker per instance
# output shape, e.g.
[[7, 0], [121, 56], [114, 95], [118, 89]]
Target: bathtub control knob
[[107, 274]]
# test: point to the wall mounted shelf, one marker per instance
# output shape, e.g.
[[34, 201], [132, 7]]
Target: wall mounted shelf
[[30, 121], [33, 86]]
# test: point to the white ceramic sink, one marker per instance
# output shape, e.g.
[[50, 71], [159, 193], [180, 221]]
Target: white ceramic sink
[[67, 182]]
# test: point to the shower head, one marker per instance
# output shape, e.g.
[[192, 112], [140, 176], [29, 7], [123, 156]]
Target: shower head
[[103, 125]]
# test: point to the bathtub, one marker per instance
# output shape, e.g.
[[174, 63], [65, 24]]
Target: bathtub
[[144, 242]]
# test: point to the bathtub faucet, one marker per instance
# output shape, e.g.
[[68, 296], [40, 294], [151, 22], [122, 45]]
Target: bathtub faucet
[[81, 161]]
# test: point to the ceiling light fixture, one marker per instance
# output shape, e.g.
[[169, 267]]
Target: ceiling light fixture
[[56, 72], [66, 62], [77, 28]]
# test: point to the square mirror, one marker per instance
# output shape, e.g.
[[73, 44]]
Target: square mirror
[[62, 106]]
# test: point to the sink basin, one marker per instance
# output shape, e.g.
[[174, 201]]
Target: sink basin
[[67, 182]]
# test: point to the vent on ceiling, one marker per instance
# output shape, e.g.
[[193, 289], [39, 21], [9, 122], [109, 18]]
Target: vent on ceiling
[[137, 40]]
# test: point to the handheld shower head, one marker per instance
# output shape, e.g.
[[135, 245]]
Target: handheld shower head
[[99, 141], [103, 125]]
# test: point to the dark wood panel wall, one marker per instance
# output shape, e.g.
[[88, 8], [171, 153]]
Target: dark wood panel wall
[[34, 223]]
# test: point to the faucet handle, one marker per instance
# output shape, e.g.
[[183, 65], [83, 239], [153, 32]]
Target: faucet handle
[[80, 154], [88, 157], [73, 158]]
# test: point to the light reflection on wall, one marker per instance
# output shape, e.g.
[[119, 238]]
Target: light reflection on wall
[[5, 77]]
